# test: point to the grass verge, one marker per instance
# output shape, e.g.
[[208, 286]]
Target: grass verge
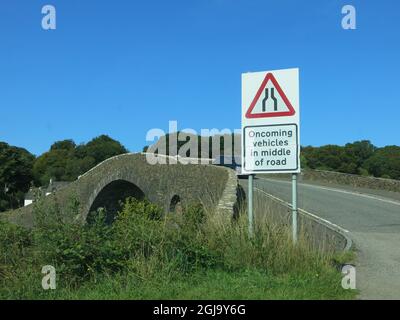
[[146, 255]]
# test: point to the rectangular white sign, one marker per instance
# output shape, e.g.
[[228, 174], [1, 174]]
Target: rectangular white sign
[[270, 122]]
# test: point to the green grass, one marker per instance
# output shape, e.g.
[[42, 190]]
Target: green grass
[[212, 284], [144, 255]]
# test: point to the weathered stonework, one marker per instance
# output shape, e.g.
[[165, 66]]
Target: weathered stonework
[[214, 187], [351, 180], [228, 198]]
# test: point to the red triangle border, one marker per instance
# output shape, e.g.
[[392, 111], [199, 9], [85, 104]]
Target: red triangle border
[[288, 113]]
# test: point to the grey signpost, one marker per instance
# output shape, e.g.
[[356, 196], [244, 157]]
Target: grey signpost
[[294, 207], [271, 131], [250, 205]]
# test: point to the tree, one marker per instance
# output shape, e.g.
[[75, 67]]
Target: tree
[[385, 162], [65, 161], [15, 175], [102, 148], [347, 159], [360, 151], [51, 165], [325, 158], [63, 145]]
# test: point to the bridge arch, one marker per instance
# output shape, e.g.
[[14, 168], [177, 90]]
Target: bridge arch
[[214, 187], [175, 204], [112, 195]]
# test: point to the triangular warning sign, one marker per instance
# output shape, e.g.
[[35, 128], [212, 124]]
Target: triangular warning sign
[[267, 97]]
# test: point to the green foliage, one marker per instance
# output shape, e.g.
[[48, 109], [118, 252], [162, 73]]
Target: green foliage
[[14, 241], [52, 164], [103, 147], [137, 229], [303, 161], [63, 145], [360, 151], [15, 175], [385, 162], [145, 254], [195, 215], [65, 161], [78, 251], [363, 172], [213, 284], [360, 157], [326, 157]]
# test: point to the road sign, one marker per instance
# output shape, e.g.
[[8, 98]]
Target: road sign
[[267, 92], [270, 122]]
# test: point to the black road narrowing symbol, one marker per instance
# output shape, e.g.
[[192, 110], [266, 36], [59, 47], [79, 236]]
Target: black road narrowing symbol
[[264, 101]]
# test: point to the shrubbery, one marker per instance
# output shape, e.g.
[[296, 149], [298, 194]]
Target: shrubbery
[[81, 252], [144, 245], [360, 157], [14, 244], [65, 161]]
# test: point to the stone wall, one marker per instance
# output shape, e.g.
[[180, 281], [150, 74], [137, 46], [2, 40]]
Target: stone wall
[[351, 180], [321, 235], [331, 177], [214, 187]]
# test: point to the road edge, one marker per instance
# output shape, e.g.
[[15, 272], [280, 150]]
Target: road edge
[[326, 223]]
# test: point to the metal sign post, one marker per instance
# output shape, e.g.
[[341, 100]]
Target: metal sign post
[[271, 129], [250, 206], [294, 207]]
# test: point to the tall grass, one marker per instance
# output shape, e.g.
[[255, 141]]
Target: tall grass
[[146, 254]]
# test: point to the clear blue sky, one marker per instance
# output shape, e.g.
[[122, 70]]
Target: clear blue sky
[[123, 67]]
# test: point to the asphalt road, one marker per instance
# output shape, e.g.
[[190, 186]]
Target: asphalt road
[[373, 222]]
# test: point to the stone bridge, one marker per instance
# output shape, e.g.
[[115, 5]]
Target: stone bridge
[[131, 175]]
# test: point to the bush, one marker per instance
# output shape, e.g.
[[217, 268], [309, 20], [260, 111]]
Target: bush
[[147, 246], [363, 172], [78, 251], [14, 245], [137, 230]]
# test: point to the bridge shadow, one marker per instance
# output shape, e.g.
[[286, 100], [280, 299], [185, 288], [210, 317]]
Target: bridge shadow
[[175, 204], [240, 205], [111, 199]]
